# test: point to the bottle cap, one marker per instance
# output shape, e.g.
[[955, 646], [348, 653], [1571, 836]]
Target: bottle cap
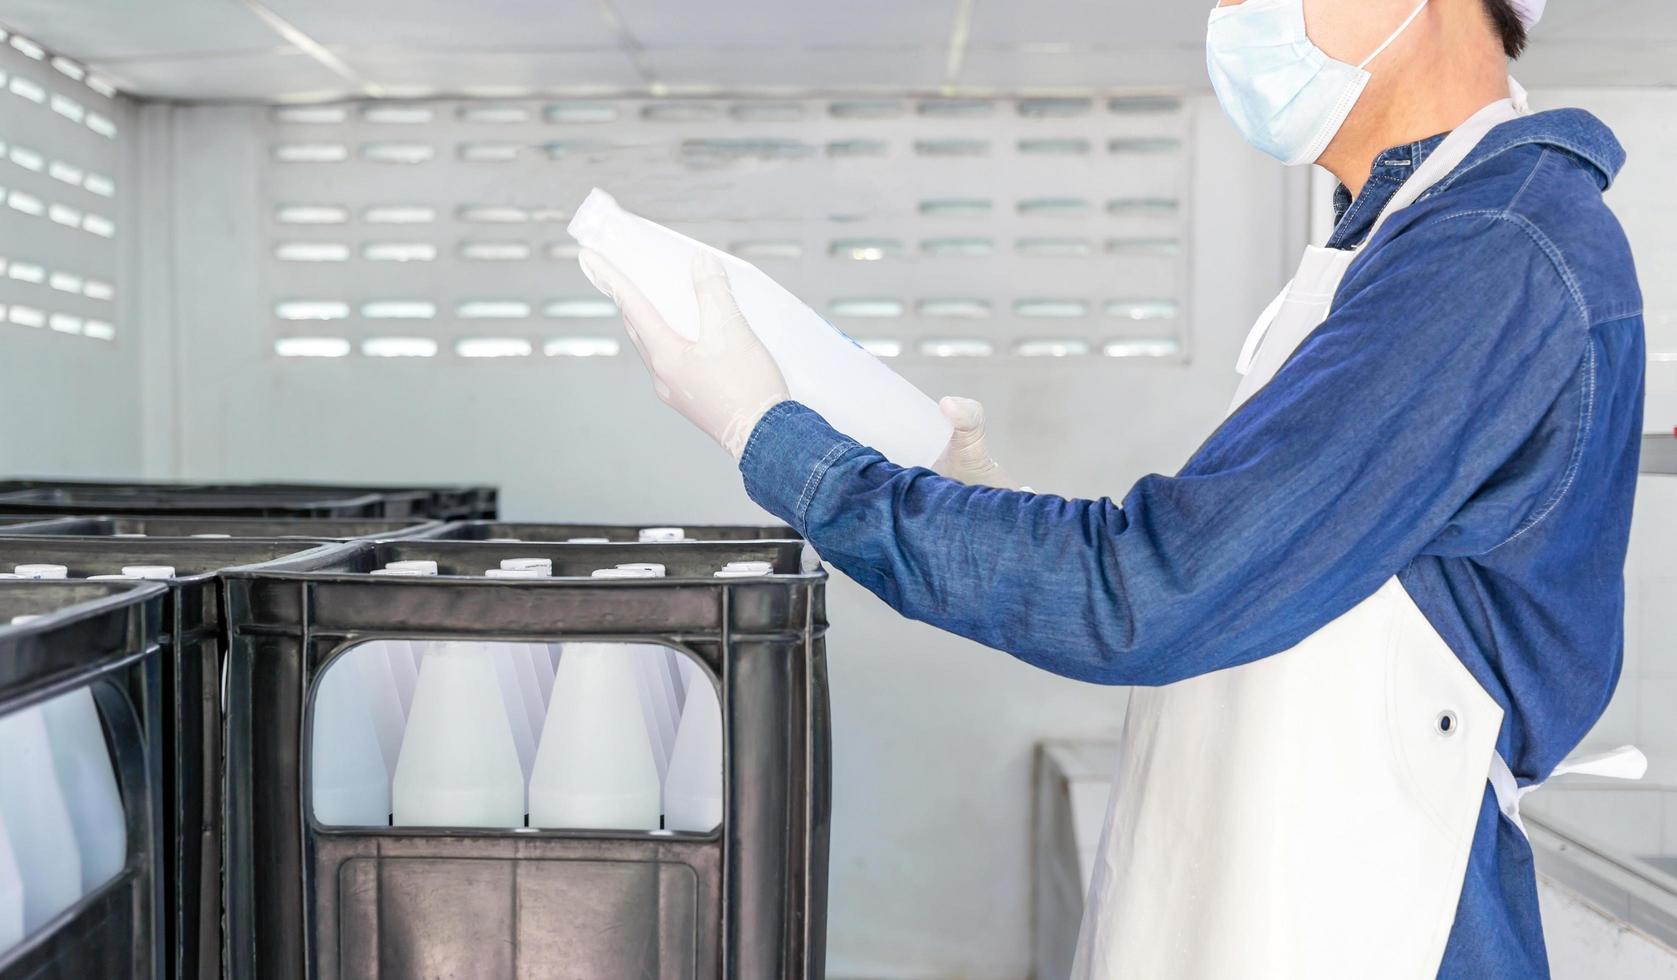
[[42, 571], [401, 572], [20, 620], [420, 565], [655, 568], [588, 541], [516, 573], [662, 535], [212, 535], [741, 573], [760, 567], [149, 571], [129, 534], [543, 565], [624, 573]]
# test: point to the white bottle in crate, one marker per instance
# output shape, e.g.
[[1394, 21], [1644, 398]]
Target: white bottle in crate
[[459, 765], [512, 698], [595, 767], [83, 763], [349, 778], [659, 704], [404, 670], [37, 819], [693, 787], [383, 697], [824, 369], [541, 661], [11, 894]]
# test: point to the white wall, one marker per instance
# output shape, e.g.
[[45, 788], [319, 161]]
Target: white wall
[[933, 735], [1587, 944], [86, 387]]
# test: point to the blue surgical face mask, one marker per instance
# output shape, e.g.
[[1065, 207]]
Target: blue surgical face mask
[[1284, 94]]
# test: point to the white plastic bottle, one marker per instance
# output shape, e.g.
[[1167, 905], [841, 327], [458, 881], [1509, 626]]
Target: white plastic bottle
[[83, 763], [693, 787], [824, 369], [459, 765], [596, 766], [404, 669], [382, 696], [11, 894], [512, 699], [660, 705], [349, 778], [37, 819]]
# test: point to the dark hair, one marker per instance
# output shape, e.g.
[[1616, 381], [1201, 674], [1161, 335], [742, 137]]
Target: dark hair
[[1508, 26]]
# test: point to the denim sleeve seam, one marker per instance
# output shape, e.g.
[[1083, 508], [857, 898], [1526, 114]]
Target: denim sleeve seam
[[1544, 245], [816, 474], [1586, 420]]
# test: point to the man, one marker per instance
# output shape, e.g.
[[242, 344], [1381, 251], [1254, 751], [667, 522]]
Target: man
[[1382, 598]]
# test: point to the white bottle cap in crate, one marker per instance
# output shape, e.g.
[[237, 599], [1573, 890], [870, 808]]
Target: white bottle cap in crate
[[544, 565], [420, 565], [149, 571], [662, 535], [625, 573], [647, 566], [758, 567], [588, 541], [212, 535], [42, 571], [26, 618], [517, 573], [401, 572], [741, 573]]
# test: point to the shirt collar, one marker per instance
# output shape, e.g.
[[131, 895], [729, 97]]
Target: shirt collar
[[1571, 131], [1354, 218]]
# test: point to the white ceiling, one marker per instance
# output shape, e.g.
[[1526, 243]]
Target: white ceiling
[[314, 49]]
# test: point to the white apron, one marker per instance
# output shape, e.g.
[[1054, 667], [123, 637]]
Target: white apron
[[1308, 815]]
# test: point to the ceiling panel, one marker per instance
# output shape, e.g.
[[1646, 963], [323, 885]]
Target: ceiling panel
[[282, 74], [511, 24], [91, 30], [1089, 21], [695, 23], [482, 72], [797, 68]]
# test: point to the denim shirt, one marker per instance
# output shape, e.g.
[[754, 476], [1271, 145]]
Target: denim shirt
[[1467, 418]]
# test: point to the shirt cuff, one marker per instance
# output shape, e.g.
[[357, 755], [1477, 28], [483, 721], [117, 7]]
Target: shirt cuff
[[789, 452]]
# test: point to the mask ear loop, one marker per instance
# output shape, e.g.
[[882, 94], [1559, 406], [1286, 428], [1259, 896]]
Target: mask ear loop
[[1395, 35]]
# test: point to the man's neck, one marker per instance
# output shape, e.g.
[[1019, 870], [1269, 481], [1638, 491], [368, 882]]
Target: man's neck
[[1434, 90]]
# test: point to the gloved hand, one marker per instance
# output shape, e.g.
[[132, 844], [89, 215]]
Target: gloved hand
[[724, 381], [967, 457]]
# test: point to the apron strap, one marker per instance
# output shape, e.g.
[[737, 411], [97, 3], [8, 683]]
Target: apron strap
[[1624, 762], [1255, 338], [1452, 152]]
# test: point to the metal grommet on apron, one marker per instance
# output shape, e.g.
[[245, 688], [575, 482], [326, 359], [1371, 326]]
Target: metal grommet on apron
[[1310, 814]]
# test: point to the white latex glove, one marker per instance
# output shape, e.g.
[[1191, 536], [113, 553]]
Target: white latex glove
[[724, 381], [967, 457]]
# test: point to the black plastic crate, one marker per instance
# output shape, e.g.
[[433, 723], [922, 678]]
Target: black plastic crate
[[194, 638], [745, 901], [463, 502], [614, 533], [313, 529], [200, 501], [105, 636]]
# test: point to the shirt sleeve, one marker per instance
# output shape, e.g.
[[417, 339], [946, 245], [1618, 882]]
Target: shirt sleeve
[[1444, 353]]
